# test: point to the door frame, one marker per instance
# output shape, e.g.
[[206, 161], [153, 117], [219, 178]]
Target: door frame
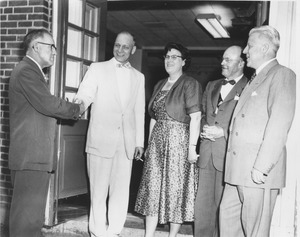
[[57, 87]]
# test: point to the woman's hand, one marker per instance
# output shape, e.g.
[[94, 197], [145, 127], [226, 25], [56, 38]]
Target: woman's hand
[[193, 156]]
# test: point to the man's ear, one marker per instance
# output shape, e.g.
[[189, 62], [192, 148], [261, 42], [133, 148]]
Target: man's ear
[[34, 46], [133, 50], [265, 48]]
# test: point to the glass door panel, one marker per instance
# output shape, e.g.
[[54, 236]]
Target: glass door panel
[[73, 73], [75, 12], [90, 47], [74, 42], [91, 16]]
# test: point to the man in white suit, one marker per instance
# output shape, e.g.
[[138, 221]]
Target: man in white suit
[[116, 93], [255, 167]]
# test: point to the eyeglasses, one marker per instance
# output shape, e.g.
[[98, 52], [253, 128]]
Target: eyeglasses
[[173, 57], [52, 45], [228, 60]]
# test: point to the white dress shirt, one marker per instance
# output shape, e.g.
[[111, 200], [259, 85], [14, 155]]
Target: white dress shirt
[[225, 89], [123, 81]]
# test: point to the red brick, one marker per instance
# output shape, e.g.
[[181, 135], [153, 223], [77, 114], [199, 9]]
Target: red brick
[[17, 17], [3, 3], [8, 10], [25, 24], [15, 45], [8, 38], [38, 2], [37, 17], [23, 10], [17, 31], [8, 24], [3, 17], [17, 3]]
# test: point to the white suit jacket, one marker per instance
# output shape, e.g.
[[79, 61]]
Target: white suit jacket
[[259, 128], [108, 120]]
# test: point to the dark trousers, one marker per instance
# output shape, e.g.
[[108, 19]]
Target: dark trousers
[[27, 210]]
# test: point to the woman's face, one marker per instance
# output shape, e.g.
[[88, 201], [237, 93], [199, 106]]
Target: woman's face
[[174, 62]]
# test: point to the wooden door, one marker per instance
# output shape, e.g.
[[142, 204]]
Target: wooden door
[[81, 36]]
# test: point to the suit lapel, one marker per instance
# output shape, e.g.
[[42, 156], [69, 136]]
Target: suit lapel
[[236, 90], [133, 87], [36, 68], [216, 93], [249, 89]]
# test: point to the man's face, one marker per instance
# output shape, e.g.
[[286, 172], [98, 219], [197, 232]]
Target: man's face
[[253, 51], [123, 48], [232, 65], [45, 50]]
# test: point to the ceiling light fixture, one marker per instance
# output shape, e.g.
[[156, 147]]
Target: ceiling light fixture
[[211, 23]]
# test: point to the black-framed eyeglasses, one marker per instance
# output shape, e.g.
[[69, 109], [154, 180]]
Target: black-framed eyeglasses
[[52, 45], [173, 57]]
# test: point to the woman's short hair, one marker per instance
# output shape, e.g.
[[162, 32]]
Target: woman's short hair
[[185, 53]]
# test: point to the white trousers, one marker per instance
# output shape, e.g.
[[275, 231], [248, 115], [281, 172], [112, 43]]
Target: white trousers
[[109, 178]]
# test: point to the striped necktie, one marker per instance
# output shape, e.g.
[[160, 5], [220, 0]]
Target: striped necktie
[[252, 77]]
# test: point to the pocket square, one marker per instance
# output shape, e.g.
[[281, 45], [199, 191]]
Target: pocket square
[[254, 93], [236, 97]]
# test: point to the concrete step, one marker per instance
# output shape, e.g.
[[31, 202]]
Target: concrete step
[[134, 227]]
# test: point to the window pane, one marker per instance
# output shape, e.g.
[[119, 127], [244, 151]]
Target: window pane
[[75, 12], [74, 42], [70, 96], [73, 73], [91, 18], [90, 47]]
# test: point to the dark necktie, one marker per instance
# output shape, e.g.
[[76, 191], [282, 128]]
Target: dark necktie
[[252, 77], [232, 82]]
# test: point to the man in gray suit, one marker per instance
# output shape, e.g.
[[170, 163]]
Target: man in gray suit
[[256, 154], [33, 112], [219, 100]]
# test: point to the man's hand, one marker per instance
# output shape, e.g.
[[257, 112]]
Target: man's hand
[[258, 177], [211, 132], [81, 105], [138, 152]]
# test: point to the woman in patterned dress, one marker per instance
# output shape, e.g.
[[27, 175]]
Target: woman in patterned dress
[[169, 181]]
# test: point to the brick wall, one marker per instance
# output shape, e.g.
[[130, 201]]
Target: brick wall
[[17, 18]]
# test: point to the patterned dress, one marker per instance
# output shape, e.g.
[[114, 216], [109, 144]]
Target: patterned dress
[[169, 182]]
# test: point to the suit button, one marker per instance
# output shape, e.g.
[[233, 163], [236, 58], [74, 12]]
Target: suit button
[[216, 123], [236, 133], [243, 115], [234, 153]]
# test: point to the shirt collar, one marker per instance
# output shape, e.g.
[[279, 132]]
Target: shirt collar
[[117, 63], [236, 79], [37, 65], [263, 65]]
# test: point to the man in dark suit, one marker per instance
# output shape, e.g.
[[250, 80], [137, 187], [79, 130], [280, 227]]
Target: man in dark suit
[[219, 100], [33, 113], [256, 154]]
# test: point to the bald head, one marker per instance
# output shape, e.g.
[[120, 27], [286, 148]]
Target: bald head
[[232, 63]]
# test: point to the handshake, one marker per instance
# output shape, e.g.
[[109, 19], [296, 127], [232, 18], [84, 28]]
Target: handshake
[[82, 107]]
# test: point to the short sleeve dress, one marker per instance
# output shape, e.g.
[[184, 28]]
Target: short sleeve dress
[[169, 182]]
